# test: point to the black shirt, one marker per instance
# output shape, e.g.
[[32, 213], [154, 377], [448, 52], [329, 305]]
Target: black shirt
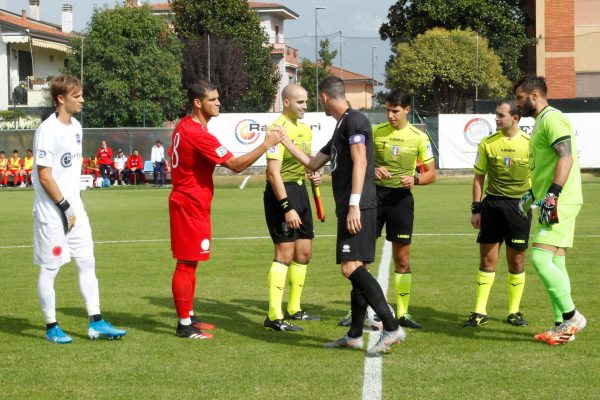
[[350, 124]]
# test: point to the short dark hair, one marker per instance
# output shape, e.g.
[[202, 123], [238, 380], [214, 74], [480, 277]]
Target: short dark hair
[[333, 87], [29, 150], [399, 97], [198, 89], [512, 107], [531, 83], [15, 151], [2, 152], [63, 85]]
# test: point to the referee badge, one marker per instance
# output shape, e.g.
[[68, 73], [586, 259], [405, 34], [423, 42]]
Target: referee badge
[[507, 161], [395, 150]]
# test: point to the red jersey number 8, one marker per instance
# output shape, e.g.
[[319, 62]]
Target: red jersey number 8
[[175, 155]]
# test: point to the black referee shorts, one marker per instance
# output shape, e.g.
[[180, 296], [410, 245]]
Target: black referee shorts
[[298, 198], [502, 222], [359, 247], [395, 210]]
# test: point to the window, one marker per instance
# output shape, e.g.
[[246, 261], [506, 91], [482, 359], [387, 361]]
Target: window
[[276, 34]]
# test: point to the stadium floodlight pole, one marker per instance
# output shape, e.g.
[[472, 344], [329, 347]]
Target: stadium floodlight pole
[[317, 60], [373, 75], [208, 54], [81, 62], [341, 60], [476, 70]]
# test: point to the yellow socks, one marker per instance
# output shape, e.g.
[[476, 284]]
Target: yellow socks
[[516, 284], [485, 280], [276, 282], [296, 280], [403, 283]]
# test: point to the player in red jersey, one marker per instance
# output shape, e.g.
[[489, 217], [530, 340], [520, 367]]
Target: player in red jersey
[[194, 154]]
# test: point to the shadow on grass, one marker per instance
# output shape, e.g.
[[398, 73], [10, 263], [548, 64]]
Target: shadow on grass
[[19, 327], [245, 317], [151, 323]]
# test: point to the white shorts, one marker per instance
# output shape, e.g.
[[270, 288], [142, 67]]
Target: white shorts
[[52, 248]]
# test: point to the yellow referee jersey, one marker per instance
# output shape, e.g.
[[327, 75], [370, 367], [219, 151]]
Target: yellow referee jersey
[[506, 163], [398, 150], [301, 135]]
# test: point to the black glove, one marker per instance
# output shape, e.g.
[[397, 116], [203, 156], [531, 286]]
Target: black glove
[[67, 215], [549, 207]]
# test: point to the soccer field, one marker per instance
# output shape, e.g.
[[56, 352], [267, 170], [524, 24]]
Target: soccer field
[[243, 361]]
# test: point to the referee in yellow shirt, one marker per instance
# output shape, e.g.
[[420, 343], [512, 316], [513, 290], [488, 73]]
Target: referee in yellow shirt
[[398, 145], [288, 215], [504, 158]]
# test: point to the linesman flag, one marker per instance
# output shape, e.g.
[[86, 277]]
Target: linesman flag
[[318, 202]]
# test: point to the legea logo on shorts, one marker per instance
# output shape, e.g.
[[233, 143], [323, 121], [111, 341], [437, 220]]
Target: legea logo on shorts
[[247, 131], [476, 129]]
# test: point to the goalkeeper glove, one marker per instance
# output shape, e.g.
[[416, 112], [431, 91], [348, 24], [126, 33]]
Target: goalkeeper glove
[[67, 215], [526, 202], [549, 207]]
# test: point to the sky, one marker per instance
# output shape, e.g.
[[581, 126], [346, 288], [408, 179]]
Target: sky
[[359, 21]]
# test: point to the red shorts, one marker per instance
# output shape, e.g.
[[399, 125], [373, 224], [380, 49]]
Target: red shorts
[[190, 230], [14, 171]]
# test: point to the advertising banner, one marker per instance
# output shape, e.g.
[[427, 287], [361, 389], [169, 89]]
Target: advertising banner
[[241, 133], [459, 135]]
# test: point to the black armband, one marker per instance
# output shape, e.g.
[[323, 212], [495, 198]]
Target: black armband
[[555, 189], [476, 207], [63, 205], [285, 205], [416, 179]]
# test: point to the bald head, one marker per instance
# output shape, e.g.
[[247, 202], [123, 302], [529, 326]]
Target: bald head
[[294, 101]]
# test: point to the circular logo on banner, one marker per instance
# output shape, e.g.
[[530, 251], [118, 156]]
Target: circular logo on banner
[[476, 129], [247, 131], [66, 160]]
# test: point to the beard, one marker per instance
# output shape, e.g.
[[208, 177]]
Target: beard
[[528, 108]]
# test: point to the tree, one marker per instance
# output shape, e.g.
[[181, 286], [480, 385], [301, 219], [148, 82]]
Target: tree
[[226, 66], [439, 69], [307, 72], [132, 69], [233, 21], [325, 55], [502, 22]]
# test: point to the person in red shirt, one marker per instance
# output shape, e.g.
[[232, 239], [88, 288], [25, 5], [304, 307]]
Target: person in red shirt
[[194, 154], [135, 165], [104, 159]]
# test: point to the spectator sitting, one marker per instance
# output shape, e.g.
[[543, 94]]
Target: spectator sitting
[[15, 166], [121, 173], [135, 166], [104, 159], [91, 166], [28, 167], [3, 167]]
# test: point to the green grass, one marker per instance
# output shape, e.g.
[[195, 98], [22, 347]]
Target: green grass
[[443, 360]]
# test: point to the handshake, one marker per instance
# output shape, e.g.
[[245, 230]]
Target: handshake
[[548, 206]]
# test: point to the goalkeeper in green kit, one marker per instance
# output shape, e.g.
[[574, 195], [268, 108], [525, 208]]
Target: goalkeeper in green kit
[[555, 176]]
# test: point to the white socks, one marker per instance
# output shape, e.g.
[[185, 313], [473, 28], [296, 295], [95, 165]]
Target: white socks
[[88, 284], [46, 293]]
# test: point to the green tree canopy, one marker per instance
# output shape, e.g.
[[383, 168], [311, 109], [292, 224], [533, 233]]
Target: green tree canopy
[[307, 78], [326, 56], [439, 69], [502, 22], [234, 22], [131, 69]]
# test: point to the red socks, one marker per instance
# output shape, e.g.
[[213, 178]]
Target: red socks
[[184, 286]]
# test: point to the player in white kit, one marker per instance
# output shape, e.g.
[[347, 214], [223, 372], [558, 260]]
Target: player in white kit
[[61, 228]]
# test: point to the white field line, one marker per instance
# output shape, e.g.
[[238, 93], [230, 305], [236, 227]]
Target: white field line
[[28, 246], [243, 184], [372, 375]]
